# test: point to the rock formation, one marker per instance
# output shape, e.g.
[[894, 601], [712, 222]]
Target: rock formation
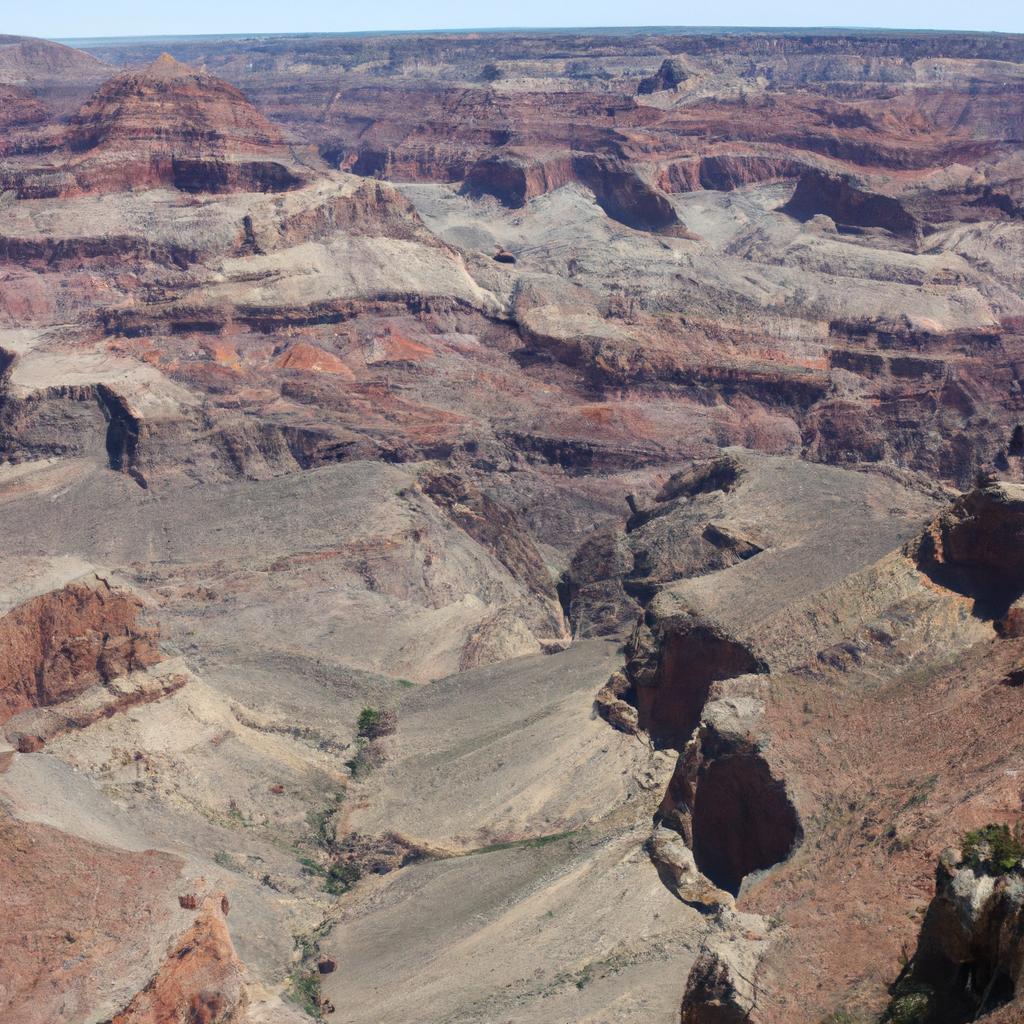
[[167, 125], [529, 522], [58, 644], [968, 961]]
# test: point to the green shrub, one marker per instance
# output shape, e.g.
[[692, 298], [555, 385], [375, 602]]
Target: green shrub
[[374, 722], [305, 990], [912, 1008], [341, 876], [994, 849]]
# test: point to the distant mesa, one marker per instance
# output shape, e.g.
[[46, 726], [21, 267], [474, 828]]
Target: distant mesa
[[168, 125]]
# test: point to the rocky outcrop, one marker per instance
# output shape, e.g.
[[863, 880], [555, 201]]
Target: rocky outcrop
[[201, 981], [672, 73], [977, 547], [727, 801], [625, 196], [619, 190], [848, 204], [497, 529], [58, 77], [31, 730], [60, 643], [723, 172], [678, 869], [673, 667], [515, 180], [722, 985], [969, 962]]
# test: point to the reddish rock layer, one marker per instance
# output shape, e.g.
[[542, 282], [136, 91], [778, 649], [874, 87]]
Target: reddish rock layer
[[74, 913], [201, 981], [60, 643]]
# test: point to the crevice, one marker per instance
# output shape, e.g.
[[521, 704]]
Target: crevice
[[122, 440]]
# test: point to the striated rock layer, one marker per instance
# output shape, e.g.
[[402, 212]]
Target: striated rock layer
[[510, 526]]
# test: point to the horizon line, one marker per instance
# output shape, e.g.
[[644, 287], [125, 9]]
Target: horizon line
[[532, 29]]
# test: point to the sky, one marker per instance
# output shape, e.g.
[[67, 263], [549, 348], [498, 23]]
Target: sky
[[63, 19]]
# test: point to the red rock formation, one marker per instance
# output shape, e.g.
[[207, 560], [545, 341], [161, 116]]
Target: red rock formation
[[60, 77], [168, 125], [60, 643], [201, 981], [78, 916], [977, 546], [847, 204]]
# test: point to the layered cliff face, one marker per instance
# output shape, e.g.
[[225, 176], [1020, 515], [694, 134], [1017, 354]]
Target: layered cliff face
[[58, 644], [167, 125], [509, 527]]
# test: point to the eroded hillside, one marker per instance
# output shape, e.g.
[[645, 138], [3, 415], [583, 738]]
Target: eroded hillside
[[512, 528]]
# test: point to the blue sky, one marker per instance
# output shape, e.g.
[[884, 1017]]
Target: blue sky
[[81, 18]]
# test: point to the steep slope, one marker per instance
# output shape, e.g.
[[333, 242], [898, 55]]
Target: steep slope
[[529, 588]]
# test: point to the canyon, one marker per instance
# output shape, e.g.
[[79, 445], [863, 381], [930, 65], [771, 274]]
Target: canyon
[[512, 527]]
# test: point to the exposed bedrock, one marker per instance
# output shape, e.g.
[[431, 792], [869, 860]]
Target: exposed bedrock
[[722, 984], [725, 799], [622, 193], [514, 180], [202, 980], [977, 547], [215, 176], [164, 125], [743, 820], [499, 530], [848, 204], [682, 534], [94, 421], [969, 960], [724, 172], [60, 643], [672, 671], [672, 73]]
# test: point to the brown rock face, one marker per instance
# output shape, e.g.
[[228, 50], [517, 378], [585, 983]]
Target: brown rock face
[[202, 981], [169, 106], [169, 125], [71, 929], [847, 204], [977, 546], [672, 73], [690, 659], [970, 956], [58, 644]]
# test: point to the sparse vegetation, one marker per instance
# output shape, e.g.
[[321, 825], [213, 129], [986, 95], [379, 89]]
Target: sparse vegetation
[[910, 1007], [841, 1017], [223, 859], [341, 876], [304, 983], [305, 990], [994, 849], [376, 722], [324, 831], [368, 756]]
